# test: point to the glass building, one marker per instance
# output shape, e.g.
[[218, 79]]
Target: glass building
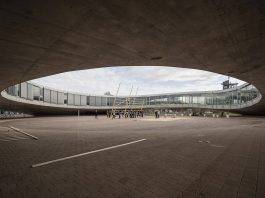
[[234, 98]]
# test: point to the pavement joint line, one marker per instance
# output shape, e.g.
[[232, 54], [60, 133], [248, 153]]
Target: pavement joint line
[[13, 139], [18, 130], [86, 153]]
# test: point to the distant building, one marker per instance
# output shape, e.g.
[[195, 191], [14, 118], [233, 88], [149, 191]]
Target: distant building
[[107, 93], [227, 84]]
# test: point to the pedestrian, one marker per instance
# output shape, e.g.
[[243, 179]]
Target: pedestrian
[[96, 114]]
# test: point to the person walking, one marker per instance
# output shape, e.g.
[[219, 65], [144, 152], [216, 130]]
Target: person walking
[[96, 114]]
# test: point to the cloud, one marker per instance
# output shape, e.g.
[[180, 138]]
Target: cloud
[[148, 79]]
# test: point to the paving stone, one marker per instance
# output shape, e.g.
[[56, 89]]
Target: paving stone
[[170, 163]]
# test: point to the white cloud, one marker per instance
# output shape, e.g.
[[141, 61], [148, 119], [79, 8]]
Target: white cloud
[[149, 79]]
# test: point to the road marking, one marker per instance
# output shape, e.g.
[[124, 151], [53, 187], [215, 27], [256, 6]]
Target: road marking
[[18, 130], [86, 153], [219, 146]]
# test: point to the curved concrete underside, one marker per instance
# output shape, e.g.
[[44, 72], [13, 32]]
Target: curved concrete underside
[[40, 38]]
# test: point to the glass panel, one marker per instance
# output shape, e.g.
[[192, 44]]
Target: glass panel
[[103, 101], [87, 100], [36, 93], [110, 101], [30, 91], [98, 101], [70, 99], [83, 100], [92, 100], [77, 99], [24, 90], [54, 97], [47, 95], [60, 98], [65, 98]]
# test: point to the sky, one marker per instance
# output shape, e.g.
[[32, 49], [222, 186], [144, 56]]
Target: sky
[[147, 79]]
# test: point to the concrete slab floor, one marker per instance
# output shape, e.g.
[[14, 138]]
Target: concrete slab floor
[[192, 157]]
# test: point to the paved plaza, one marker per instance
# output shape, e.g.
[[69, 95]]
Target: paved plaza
[[182, 157]]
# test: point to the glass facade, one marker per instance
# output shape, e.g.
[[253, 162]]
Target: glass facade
[[229, 98], [14, 90]]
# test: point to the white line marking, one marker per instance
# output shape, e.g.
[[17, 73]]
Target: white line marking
[[215, 145], [87, 153], [18, 130]]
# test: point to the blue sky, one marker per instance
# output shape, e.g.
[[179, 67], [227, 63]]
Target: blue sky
[[148, 79]]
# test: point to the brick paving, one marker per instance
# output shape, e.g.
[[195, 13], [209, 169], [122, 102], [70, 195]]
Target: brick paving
[[8, 134], [193, 157]]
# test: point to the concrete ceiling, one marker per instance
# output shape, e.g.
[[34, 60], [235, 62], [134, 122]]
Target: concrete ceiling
[[40, 38]]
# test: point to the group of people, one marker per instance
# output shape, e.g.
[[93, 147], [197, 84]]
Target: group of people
[[125, 114]]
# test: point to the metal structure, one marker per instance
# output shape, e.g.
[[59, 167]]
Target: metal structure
[[228, 85]]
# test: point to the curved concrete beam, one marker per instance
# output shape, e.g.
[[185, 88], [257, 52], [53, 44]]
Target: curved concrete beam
[[40, 38]]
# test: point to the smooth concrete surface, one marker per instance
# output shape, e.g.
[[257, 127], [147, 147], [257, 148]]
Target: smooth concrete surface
[[40, 38], [182, 157]]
